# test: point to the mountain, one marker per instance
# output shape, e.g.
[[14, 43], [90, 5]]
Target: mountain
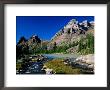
[[74, 37], [72, 32]]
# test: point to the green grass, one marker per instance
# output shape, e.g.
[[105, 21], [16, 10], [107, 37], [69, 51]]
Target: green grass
[[59, 67], [18, 66]]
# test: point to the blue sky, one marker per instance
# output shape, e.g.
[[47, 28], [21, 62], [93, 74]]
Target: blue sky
[[43, 26]]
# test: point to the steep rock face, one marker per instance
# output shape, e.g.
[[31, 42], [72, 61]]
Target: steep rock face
[[65, 38], [27, 46], [72, 32], [34, 39]]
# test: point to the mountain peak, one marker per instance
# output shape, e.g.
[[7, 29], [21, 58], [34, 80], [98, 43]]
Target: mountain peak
[[71, 30]]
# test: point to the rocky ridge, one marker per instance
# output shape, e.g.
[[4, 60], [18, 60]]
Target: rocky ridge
[[72, 32]]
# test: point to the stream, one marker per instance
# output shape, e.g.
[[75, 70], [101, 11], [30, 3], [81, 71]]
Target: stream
[[36, 67]]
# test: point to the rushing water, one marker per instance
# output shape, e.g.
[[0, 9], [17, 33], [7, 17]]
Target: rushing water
[[36, 67]]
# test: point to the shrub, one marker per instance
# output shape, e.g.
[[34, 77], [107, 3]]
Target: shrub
[[88, 46], [59, 67]]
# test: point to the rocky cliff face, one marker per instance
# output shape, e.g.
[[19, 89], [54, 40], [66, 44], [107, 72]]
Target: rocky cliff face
[[68, 39], [25, 46], [34, 39], [72, 32]]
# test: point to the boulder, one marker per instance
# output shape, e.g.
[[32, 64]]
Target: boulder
[[89, 59], [86, 60]]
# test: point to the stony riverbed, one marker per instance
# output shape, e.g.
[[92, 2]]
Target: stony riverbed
[[34, 64]]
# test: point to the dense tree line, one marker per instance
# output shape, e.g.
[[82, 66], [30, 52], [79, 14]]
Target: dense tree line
[[22, 48], [85, 46]]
